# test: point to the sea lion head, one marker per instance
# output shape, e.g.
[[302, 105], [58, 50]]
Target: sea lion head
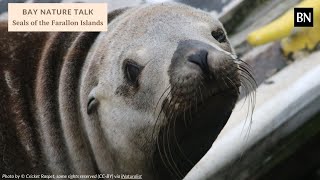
[[161, 84]]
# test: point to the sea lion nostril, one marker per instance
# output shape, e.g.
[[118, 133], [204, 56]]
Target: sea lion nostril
[[201, 59]]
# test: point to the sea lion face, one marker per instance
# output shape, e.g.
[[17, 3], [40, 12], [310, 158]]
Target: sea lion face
[[166, 83]]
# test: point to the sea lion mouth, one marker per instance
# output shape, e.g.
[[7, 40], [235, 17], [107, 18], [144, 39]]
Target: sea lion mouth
[[198, 99], [204, 112], [207, 116]]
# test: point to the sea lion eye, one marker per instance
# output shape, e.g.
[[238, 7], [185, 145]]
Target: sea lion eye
[[92, 105], [219, 36], [132, 71]]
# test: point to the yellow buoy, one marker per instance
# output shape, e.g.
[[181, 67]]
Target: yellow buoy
[[293, 39]]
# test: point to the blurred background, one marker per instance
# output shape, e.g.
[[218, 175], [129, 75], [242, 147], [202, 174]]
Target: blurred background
[[282, 139]]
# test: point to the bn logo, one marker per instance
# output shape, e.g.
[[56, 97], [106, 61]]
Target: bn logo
[[303, 17]]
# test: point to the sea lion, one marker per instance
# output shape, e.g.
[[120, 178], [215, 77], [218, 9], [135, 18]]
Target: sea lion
[[148, 97]]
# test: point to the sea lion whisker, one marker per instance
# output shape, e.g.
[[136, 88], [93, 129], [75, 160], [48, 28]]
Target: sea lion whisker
[[168, 88], [164, 142], [196, 100], [175, 167], [223, 79], [161, 110], [243, 63], [200, 92], [166, 129], [246, 88], [205, 86], [162, 95], [251, 81], [246, 78], [184, 115], [249, 85], [232, 83], [246, 69], [190, 114], [161, 156], [240, 61], [177, 143]]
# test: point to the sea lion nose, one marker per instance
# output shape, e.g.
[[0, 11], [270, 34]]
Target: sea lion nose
[[200, 58]]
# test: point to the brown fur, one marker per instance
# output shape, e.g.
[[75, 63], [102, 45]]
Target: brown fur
[[30, 70], [32, 65], [17, 123]]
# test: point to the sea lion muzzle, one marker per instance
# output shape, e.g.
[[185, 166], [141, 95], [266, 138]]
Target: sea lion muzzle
[[205, 85], [207, 58], [196, 64]]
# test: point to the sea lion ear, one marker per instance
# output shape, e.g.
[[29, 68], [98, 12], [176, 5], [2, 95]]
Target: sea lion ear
[[93, 102], [115, 13]]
